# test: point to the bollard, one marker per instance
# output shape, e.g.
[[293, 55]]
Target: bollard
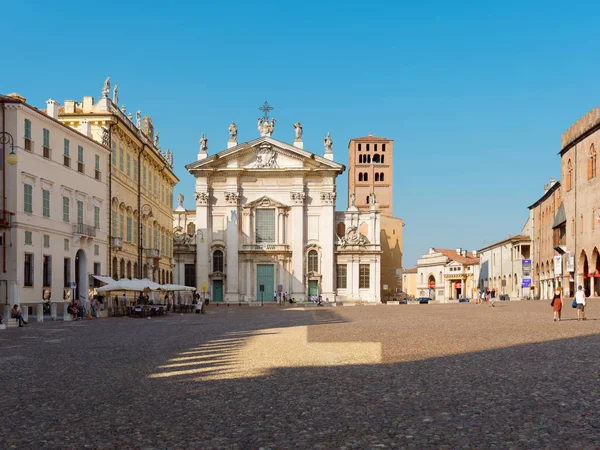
[[53, 310], [39, 312]]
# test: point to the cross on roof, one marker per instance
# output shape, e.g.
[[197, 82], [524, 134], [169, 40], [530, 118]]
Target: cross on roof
[[266, 109]]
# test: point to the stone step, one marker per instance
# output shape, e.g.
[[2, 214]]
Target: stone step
[[12, 323]]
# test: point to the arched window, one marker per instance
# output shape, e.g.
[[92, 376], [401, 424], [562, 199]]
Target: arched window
[[592, 162], [376, 159], [217, 261], [366, 177], [360, 176], [313, 261], [377, 176], [191, 228], [341, 229], [382, 159], [569, 176], [368, 159], [381, 176]]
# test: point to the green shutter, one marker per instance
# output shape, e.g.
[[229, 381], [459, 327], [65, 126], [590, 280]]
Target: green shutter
[[46, 203], [27, 129], [28, 238], [28, 198], [97, 162], [97, 217], [66, 151], [66, 209], [79, 212], [80, 154], [46, 138]]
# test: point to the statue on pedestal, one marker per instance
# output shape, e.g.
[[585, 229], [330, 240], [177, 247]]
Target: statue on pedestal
[[180, 201], [156, 139], [116, 94], [298, 130], [328, 144], [203, 143], [130, 117], [353, 199], [138, 119], [106, 89], [233, 132], [169, 157], [123, 109]]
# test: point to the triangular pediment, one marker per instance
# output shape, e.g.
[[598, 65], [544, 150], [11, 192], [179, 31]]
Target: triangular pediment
[[265, 202], [265, 153]]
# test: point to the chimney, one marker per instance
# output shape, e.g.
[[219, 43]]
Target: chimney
[[552, 182], [88, 103], [69, 106], [464, 253], [52, 108], [546, 188], [474, 253], [86, 128], [458, 251]]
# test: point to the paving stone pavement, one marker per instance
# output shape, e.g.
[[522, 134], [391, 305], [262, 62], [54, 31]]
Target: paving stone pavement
[[423, 376]]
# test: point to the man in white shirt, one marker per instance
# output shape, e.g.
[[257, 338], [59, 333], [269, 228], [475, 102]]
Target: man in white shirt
[[580, 300]]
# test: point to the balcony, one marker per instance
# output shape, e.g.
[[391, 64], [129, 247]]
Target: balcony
[[266, 248], [152, 253], [84, 230], [6, 219], [116, 243]]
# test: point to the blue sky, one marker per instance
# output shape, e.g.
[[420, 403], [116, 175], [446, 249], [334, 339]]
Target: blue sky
[[475, 94]]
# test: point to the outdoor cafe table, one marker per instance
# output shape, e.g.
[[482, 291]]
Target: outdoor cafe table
[[146, 310]]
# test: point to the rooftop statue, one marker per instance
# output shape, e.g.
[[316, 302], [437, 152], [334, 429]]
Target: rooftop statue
[[233, 129], [106, 89], [298, 130], [328, 143], [203, 143]]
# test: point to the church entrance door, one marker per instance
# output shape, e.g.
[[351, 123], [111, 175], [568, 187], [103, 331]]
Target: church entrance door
[[217, 291], [313, 288], [265, 276]]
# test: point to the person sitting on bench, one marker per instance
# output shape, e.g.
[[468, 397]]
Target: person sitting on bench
[[16, 313]]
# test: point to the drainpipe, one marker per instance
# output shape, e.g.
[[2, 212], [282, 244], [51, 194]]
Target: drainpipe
[[110, 200], [140, 224], [4, 192]]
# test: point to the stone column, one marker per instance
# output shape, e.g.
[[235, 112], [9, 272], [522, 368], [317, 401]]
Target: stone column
[[298, 216], [249, 271], [202, 234], [327, 245], [232, 247]]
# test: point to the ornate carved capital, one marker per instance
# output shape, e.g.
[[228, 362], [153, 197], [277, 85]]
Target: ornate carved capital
[[232, 198], [201, 198], [328, 198], [298, 197]]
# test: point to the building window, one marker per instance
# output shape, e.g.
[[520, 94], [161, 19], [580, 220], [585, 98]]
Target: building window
[[46, 138], [191, 229], [377, 176], [79, 212], [46, 241], [265, 225], [97, 172], [360, 176], [381, 176], [97, 217], [190, 275], [366, 177], [113, 154], [97, 268], [28, 238], [66, 245], [341, 229], [376, 159], [359, 147], [96, 250], [374, 147], [129, 164], [368, 147], [27, 129], [144, 174], [592, 160], [80, 167], [66, 202], [382, 159], [367, 200], [67, 272], [121, 159], [28, 198], [47, 271], [364, 275], [383, 147], [28, 266], [569, 177], [313, 261], [122, 225], [135, 231], [129, 229], [135, 170], [217, 261], [46, 203], [342, 276]]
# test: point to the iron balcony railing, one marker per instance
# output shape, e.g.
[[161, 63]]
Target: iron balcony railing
[[84, 230], [264, 247], [153, 253]]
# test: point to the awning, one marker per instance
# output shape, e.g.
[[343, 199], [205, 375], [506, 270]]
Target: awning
[[106, 280], [125, 284], [176, 287]]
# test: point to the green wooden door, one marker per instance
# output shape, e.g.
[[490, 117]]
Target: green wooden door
[[313, 287], [265, 276], [217, 291]]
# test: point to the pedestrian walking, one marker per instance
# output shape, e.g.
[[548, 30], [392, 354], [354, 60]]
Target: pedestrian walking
[[580, 300], [557, 303], [493, 297]]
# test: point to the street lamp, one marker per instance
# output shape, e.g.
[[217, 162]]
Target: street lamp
[[6, 138], [144, 211]]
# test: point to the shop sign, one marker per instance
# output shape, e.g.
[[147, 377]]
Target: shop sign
[[526, 282], [570, 262], [557, 265]]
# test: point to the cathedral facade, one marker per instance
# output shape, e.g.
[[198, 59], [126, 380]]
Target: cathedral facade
[[266, 226]]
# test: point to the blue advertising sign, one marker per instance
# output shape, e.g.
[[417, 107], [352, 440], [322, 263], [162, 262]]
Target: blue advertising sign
[[526, 282]]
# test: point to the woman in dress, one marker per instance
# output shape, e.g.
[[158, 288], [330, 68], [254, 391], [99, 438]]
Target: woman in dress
[[557, 303]]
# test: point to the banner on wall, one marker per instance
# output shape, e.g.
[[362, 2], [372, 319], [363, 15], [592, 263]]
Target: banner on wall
[[526, 268], [570, 262], [557, 265]]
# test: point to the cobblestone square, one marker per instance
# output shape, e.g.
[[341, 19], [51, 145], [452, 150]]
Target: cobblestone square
[[422, 376]]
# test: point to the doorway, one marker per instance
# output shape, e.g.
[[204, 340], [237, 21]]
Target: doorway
[[217, 291], [313, 288], [265, 276], [81, 276]]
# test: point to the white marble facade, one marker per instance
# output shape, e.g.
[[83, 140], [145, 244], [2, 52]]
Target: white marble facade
[[266, 224]]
